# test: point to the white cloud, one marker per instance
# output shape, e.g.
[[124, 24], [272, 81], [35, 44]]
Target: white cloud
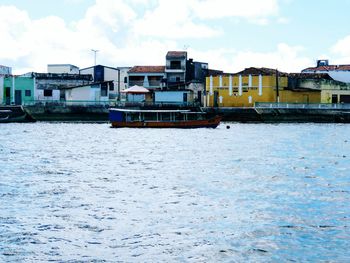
[[138, 32], [174, 21], [250, 9], [285, 58], [342, 47]]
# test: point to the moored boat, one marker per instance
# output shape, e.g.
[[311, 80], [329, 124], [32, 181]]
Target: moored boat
[[133, 118]]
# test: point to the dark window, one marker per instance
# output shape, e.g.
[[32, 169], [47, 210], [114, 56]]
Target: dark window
[[7, 91], [47, 92], [103, 89], [111, 85], [175, 64], [334, 98], [28, 93], [125, 79], [177, 79], [62, 94], [99, 73], [344, 98]]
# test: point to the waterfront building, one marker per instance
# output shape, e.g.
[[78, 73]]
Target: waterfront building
[[50, 87], [17, 90], [331, 91], [91, 94], [4, 70], [175, 69], [252, 85], [118, 75], [181, 80], [244, 88], [185, 74], [337, 72], [149, 77]]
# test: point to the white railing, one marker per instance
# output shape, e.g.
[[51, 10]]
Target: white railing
[[275, 105]]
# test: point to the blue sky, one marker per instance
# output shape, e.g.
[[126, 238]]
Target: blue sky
[[228, 34]]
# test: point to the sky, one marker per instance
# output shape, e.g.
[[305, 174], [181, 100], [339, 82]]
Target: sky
[[230, 35]]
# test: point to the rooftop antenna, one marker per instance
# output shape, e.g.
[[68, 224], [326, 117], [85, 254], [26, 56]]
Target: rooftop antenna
[[95, 51]]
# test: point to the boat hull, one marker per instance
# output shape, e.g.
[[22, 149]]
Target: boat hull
[[208, 123]]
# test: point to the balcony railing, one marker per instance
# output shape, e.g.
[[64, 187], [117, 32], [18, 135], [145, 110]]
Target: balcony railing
[[155, 104], [175, 68], [151, 83], [67, 102], [275, 105]]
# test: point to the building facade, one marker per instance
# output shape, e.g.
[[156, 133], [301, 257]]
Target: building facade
[[150, 77], [118, 75], [17, 90], [252, 85], [91, 94], [175, 69], [4, 71], [50, 87]]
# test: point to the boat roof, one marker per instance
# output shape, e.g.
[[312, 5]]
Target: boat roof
[[152, 111]]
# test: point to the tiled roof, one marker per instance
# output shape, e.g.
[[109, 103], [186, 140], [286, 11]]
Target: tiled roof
[[260, 71], [329, 68], [147, 69], [310, 76], [177, 54]]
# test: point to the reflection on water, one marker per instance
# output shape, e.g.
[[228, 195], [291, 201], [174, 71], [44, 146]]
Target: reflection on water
[[85, 192]]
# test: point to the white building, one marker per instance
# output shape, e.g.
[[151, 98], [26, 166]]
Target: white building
[[336, 72], [62, 69], [3, 71], [95, 93], [49, 87], [119, 77]]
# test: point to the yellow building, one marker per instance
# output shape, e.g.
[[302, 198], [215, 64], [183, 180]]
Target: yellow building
[[252, 85]]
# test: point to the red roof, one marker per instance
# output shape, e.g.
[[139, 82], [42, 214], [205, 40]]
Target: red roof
[[177, 54], [147, 69], [329, 68]]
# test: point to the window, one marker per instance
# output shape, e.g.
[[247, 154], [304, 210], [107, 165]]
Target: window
[[125, 79], [111, 85], [175, 64], [47, 92], [104, 89], [28, 93]]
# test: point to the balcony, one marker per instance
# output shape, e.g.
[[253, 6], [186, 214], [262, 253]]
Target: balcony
[[175, 69], [151, 83]]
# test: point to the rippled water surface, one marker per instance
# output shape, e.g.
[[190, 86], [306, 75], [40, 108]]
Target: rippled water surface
[[89, 193]]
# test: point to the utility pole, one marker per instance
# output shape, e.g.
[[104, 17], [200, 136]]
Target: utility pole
[[95, 51], [118, 85], [277, 88]]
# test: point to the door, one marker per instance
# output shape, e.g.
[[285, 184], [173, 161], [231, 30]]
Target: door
[[199, 97], [18, 97], [216, 97], [185, 98], [334, 98], [8, 96]]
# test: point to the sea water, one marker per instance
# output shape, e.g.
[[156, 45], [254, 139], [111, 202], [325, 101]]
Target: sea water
[[252, 193]]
